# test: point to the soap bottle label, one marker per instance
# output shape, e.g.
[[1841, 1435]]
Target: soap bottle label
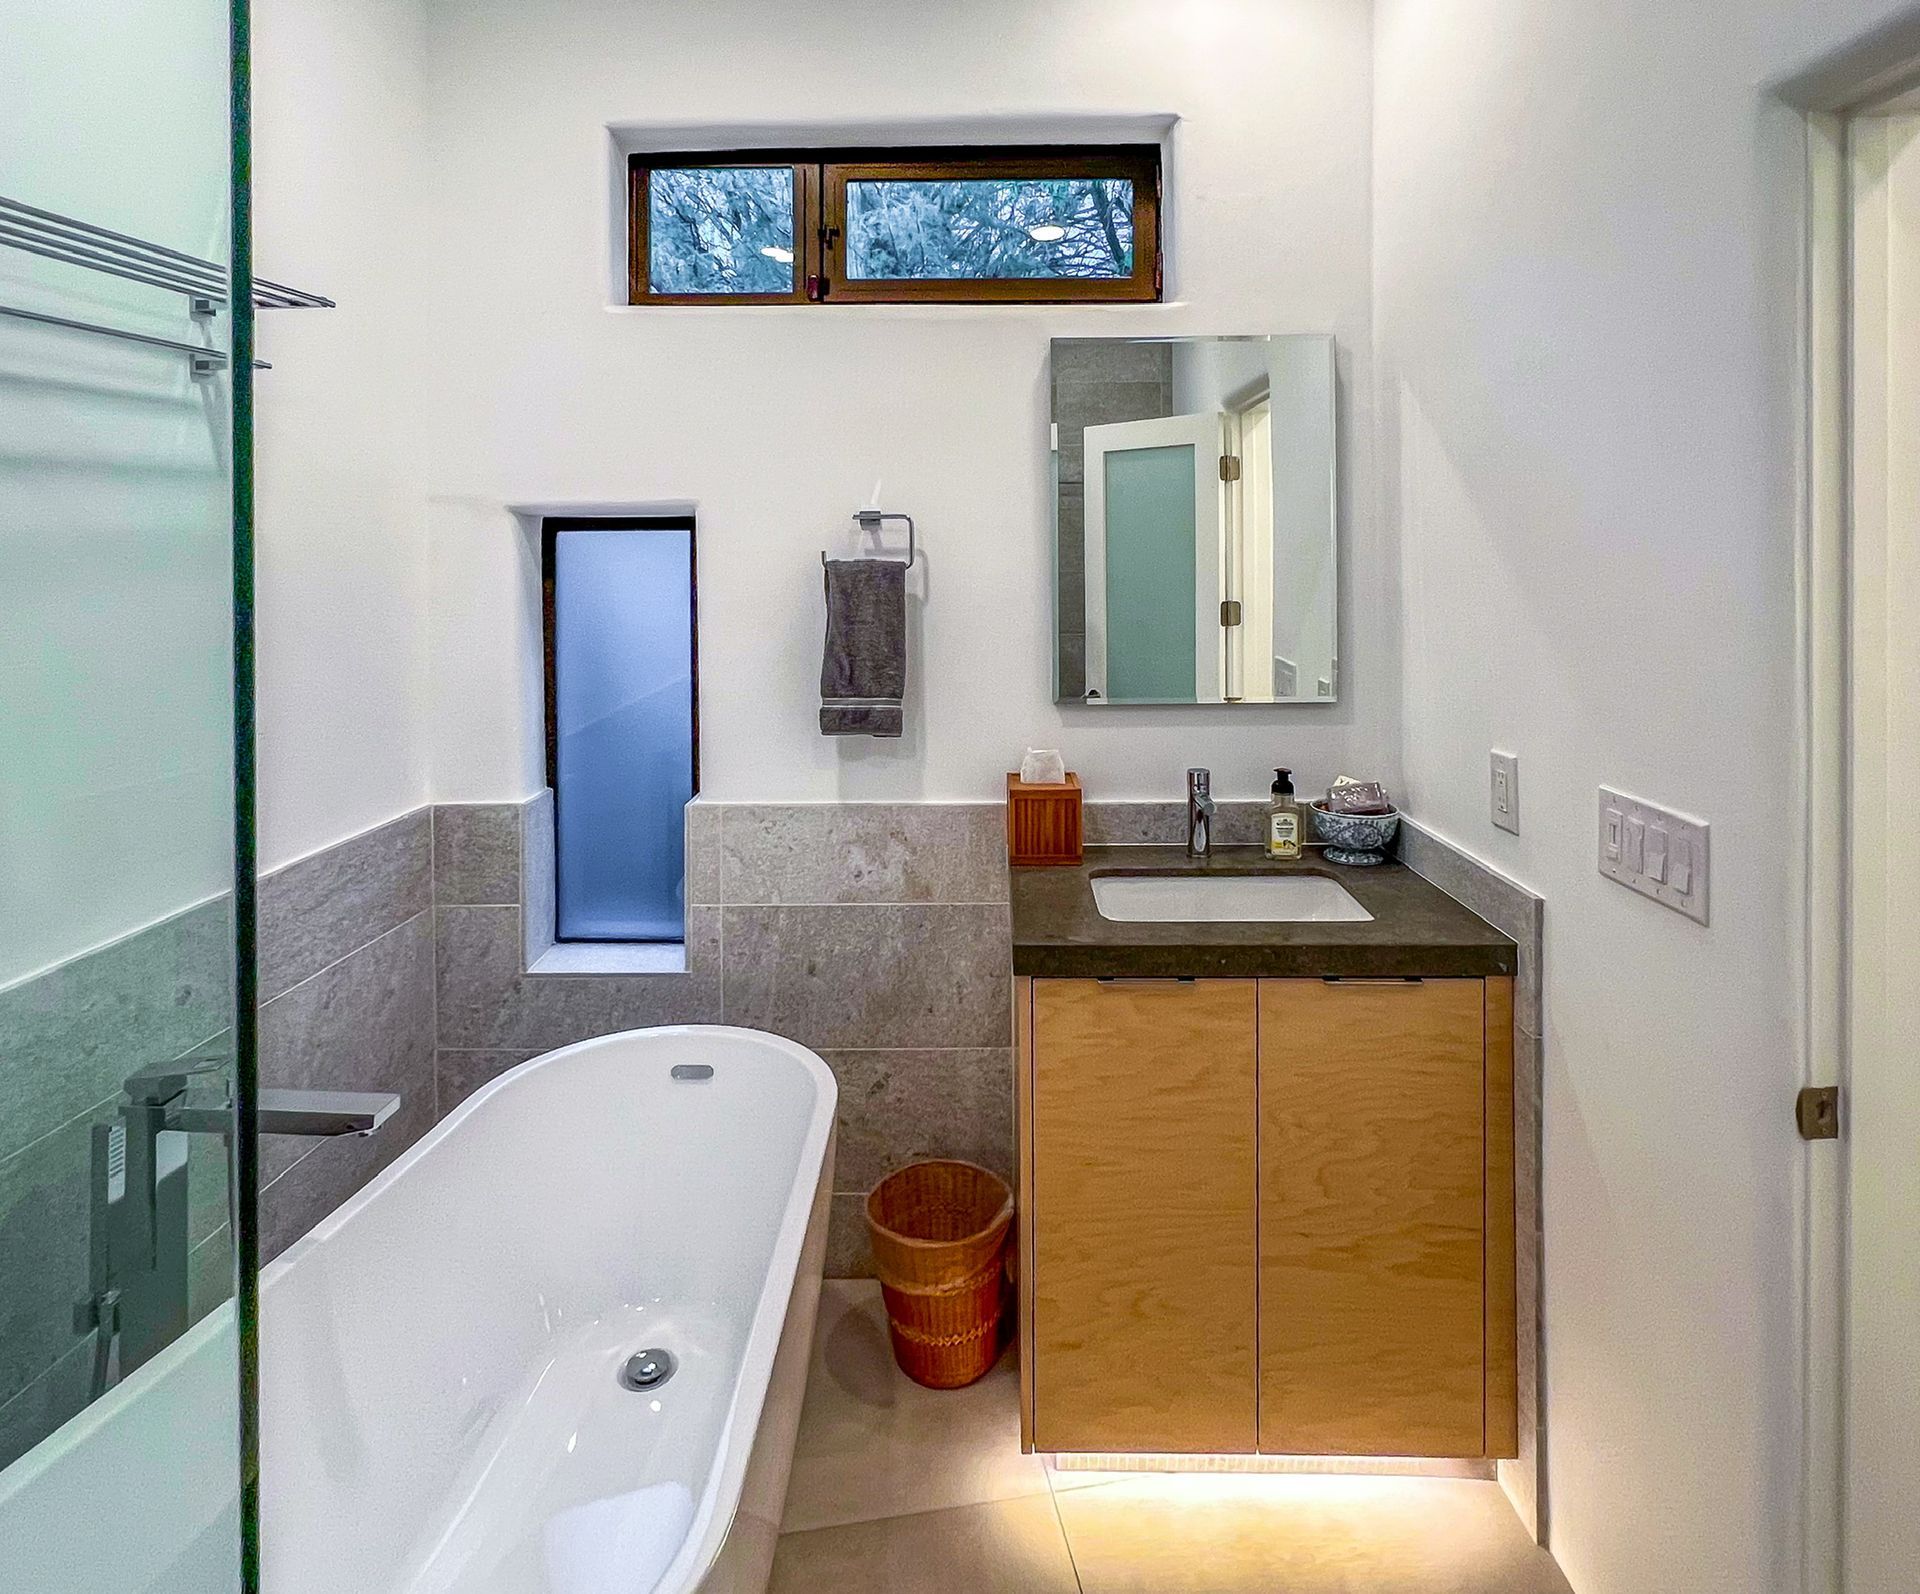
[[1283, 833]]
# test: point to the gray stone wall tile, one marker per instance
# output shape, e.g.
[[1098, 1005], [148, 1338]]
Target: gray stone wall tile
[[210, 1273], [1070, 459], [1081, 360], [1071, 527], [823, 853], [1071, 668], [334, 1170], [45, 1213], [1526, 1476], [316, 911], [859, 977], [537, 904], [209, 1160], [487, 1001], [849, 1252], [704, 853], [898, 1107], [476, 853], [1239, 823], [1509, 907], [71, 1036], [461, 1073], [365, 1023], [37, 1410]]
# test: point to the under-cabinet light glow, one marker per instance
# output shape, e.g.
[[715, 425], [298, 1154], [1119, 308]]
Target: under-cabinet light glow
[[1276, 1465]]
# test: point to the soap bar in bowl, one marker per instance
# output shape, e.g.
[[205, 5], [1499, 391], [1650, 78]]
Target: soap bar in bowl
[[1358, 797]]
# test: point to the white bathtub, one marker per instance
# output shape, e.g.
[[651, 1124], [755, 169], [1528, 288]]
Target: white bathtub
[[440, 1403]]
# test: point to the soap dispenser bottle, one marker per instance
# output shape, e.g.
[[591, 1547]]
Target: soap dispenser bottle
[[1283, 818]]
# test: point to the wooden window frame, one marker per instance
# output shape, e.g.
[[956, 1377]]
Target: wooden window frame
[[821, 179], [806, 241]]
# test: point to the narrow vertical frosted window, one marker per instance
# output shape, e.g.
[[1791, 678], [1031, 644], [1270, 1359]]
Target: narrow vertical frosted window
[[623, 731]]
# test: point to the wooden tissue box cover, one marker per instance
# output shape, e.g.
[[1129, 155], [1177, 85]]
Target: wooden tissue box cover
[[1043, 823]]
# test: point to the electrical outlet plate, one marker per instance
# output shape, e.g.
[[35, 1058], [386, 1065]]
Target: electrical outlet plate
[[1654, 851], [1503, 793]]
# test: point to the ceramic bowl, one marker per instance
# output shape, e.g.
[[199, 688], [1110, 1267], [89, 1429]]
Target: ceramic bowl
[[1358, 839]]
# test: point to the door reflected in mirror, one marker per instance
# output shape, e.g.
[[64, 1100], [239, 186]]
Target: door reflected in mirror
[[1195, 520]]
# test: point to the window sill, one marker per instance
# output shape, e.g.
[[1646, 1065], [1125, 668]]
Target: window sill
[[612, 957]]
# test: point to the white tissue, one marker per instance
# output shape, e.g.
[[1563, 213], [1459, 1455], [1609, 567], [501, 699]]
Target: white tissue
[[1043, 766]]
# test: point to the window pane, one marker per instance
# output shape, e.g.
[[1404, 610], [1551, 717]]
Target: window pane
[[990, 228], [720, 229], [623, 710]]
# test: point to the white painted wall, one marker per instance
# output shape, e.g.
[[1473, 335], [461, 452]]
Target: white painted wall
[[1587, 235], [339, 166], [115, 700], [777, 421]]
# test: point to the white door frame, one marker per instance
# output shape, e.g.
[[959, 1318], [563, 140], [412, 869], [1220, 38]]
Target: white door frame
[[1820, 872], [1823, 897]]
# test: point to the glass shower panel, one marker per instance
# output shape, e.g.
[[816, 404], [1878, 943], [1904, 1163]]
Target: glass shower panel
[[120, 1344]]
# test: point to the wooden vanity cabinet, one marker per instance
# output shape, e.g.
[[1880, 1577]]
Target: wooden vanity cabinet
[[1145, 1289], [1267, 1215]]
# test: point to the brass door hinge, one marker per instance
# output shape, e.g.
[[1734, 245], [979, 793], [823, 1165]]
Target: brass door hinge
[[1817, 1111], [1230, 612], [1229, 467]]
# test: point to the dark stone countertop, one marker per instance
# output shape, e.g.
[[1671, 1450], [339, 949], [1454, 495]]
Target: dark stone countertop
[[1416, 929]]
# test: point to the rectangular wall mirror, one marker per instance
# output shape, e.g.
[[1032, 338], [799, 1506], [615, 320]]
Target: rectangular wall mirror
[[1195, 520]]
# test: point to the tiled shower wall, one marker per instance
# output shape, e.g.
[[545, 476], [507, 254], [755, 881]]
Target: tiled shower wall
[[68, 1038], [346, 986]]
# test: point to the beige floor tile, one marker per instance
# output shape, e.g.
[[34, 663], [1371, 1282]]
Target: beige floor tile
[[1006, 1547], [1313, 1535], [873, 1443]]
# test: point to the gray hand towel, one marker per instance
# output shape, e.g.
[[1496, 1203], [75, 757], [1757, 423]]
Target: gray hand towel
[[863, 675]]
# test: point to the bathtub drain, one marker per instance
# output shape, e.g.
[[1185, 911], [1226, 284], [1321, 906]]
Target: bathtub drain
[[648, 1369]]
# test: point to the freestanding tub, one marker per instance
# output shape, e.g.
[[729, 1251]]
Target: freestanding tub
[[442, 1410]]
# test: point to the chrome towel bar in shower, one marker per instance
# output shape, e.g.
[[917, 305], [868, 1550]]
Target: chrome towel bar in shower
[[205, 361], [81, 243], [71, 242]]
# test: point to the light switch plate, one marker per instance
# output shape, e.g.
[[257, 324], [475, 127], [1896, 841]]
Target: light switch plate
[[1654, 851], [1504, 791]]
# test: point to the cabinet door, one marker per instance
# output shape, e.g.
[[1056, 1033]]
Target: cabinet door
[[1372, 1217], [1145, 1197]]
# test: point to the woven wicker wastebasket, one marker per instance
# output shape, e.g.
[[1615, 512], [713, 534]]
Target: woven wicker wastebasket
[[939, 1232]]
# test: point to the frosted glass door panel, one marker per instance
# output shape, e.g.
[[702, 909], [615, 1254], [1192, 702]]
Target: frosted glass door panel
[[1150, 531], [623, 755], [1153, 514]]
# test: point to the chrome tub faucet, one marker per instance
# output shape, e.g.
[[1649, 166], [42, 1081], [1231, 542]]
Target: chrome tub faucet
[[137, 1287]]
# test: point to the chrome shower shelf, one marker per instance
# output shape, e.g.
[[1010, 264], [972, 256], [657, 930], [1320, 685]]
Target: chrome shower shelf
[[79, 243]]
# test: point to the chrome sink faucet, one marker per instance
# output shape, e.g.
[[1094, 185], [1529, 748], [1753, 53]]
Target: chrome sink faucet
[[1200, 807]]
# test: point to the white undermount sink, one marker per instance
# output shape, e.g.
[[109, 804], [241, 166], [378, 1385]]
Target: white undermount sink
[[1213, 899]]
